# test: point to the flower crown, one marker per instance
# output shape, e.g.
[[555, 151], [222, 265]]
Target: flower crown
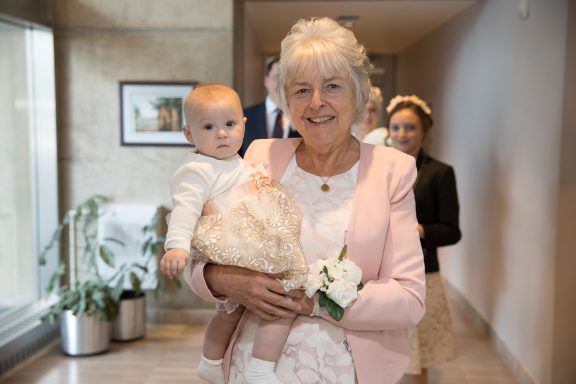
[[411, 99]]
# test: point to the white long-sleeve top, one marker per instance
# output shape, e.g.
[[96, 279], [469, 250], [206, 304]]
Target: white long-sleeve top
[[195, 182]]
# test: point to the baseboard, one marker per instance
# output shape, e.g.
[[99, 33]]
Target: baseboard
[[520, 372], [21, 349]]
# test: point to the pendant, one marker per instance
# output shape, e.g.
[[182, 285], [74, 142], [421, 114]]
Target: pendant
[[325, 187]]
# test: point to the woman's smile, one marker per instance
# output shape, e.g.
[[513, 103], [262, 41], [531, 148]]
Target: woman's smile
[[321, 119]]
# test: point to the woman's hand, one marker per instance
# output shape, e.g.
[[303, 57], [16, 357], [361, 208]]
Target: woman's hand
[[260, 293], [307, 305]]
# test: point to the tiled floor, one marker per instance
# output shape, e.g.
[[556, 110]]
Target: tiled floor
[[169, 354]]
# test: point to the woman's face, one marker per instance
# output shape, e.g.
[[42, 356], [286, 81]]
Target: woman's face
[[406, 131], [322, 108], [371, 117]]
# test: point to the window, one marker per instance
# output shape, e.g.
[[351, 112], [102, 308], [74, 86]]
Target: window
[[28, 190]]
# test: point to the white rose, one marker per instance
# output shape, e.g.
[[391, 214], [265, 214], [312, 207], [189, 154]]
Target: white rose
[[351, 272], [316, 278], [335, 269], [317, 267], [342, 292], [314, 282]]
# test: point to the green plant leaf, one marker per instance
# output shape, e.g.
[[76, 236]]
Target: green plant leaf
[[146, 245], [343, 253], [55, 278], [115, 240], [118, 288], [136, 283], [107, 255], [141, 267], [333, 309]]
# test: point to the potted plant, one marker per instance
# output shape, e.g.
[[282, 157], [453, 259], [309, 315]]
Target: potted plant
[[131, 321], [87, 302]]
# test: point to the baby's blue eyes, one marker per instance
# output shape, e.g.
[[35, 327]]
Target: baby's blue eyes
[[228, 124]]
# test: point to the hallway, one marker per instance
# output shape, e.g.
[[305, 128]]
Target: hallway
[[169, 354]]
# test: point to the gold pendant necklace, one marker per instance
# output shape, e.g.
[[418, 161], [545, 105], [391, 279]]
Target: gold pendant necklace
[[325, 187]]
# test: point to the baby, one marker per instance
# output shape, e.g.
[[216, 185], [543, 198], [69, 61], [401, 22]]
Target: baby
[[228, 212]]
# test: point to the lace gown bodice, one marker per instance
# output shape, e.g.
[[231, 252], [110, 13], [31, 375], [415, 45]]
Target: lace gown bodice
[[316, 350], [255, 225]]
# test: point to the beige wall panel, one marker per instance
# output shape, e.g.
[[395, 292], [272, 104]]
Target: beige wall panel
[[495, 83], [144, 14], [98, 44], [95, 63], [565, 305]]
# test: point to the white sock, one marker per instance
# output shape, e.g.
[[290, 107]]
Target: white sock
[[211, 370], [261, 372]]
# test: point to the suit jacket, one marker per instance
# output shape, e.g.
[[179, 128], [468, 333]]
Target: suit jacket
[[382, 239], [437, 207], [256, 126]]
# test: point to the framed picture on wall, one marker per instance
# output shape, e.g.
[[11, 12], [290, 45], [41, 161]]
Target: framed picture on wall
[[151, 112]]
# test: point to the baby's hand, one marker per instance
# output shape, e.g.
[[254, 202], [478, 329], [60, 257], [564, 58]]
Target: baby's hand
[[173, 262]]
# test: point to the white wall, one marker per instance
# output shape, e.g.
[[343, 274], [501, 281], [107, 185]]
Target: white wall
[[495, 83]]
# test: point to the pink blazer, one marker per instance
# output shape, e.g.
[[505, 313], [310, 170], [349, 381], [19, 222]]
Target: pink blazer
[[383, 240]]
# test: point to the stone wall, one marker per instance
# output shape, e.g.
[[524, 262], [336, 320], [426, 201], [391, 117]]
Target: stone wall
[[99, 43]]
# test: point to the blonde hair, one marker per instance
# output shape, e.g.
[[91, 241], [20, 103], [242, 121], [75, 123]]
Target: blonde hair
[[322, 45], [376, 97], [207, 91]]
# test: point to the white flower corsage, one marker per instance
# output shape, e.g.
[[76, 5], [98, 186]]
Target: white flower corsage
[[338, 281]]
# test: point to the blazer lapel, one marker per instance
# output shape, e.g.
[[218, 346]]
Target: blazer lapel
[[368, 225]]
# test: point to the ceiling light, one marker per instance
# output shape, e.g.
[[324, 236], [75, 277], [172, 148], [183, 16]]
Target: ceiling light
[[348, 21]]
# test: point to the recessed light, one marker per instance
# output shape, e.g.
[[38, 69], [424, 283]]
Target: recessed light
[[348, 21]]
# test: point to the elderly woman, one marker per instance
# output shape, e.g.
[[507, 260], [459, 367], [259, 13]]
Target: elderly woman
[[350, 194], [366, 129]]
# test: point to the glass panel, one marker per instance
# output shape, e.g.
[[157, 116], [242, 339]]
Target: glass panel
[[28, 194], [15, 191]]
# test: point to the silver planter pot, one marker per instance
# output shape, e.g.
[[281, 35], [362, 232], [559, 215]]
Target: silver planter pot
[[83, 335], [131, 321]]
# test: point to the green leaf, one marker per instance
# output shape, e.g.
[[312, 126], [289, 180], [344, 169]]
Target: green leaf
[[322, 299], [115, 240], [359, 286], [343, 252], [333, 309], [136, 283], [141, 267], [107, 255], [55, 278], [146, 245], [118, 288]]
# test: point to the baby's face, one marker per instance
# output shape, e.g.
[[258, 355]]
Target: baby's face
[[217, 126]]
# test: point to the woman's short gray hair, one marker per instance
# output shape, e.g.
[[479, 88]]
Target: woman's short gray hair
[[321, 44]]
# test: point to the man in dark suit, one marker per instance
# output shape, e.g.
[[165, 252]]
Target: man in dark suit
[[266, 119]]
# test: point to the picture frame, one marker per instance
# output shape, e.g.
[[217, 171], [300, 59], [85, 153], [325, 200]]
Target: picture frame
[[151, 112]]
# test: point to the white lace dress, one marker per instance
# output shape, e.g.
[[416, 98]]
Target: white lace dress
[[316, 350]]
